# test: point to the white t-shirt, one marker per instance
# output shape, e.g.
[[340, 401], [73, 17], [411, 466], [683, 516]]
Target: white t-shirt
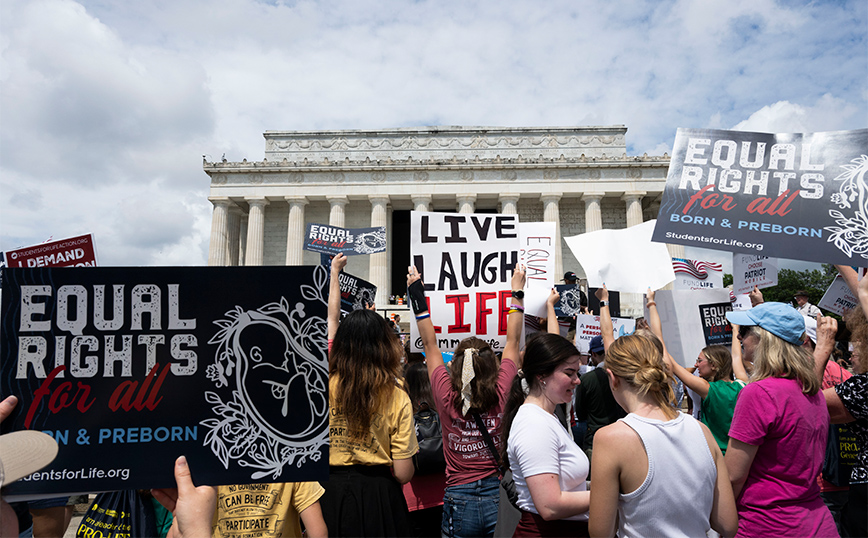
[[539, 444]]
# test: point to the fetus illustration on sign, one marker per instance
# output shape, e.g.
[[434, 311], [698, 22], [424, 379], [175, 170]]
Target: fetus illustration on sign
[[274, 360], [371, 242]]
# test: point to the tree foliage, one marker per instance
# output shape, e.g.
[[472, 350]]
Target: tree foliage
[[815, 282]]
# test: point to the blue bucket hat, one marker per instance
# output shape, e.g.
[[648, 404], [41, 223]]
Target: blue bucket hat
[[782, 320]]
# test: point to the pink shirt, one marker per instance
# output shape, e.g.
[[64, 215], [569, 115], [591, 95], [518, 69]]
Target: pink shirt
[[468, 457], [781, 496]]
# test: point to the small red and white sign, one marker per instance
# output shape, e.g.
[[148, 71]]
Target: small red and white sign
[[72, 252]]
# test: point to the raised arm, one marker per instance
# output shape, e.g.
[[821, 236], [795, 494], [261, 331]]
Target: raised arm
[[334, 312], [738, 369], [552, 325], [416, 295], [850, 277], [694, 383], [515, 319], [607, 331], [827, 328]]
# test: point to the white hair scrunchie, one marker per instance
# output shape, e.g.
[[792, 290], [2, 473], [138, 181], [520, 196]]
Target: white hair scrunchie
[[468, 372], [524, 386]]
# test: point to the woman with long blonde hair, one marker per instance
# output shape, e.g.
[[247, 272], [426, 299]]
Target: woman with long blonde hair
[[648, 462], [777, 440]]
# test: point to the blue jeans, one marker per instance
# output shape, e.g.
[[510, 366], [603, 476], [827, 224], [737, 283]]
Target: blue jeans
[[471, 509]]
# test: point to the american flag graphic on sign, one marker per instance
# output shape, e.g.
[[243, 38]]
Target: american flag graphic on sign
[[695, 268]]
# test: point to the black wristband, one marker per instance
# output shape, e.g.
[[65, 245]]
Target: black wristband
[[416, 295]]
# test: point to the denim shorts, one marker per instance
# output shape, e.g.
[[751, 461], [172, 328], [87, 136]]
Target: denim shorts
[[471, 509]]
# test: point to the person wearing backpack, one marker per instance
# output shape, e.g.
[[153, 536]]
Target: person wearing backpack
[[424, 492], [468, 395]]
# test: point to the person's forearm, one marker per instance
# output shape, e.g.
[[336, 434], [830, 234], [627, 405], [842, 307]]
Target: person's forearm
[[514, 327]]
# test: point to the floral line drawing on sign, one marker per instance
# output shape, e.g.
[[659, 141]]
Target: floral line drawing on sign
[[274, 360], [852, 236]]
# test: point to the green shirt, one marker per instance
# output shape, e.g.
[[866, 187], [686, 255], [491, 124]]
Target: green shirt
[[717, 408]]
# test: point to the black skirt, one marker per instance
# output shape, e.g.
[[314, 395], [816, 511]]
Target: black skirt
[[364, 500]]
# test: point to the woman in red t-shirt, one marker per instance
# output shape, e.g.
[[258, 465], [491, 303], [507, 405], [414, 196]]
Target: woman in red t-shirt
[[470, 393]]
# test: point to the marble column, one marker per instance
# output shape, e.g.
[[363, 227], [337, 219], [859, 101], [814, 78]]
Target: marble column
[[551, 213], [593, 214], [337, 215], [509, 204], [219, 244], [378, 271], [242, 239], [295, 230], [466, 203], [255, 230], [633, 199], [234, 235], [421, 202]]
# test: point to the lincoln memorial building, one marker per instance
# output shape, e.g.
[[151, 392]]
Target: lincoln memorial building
[[579, 177]]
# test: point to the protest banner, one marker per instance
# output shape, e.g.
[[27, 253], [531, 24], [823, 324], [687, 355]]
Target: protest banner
[[693, 320], [742, 302], [77, 251], [614, 302], [356, 293], [334, 240], [610, 257], [570, 302], [838, 298], [587, 327], [798, 196], [128, 368], [538, 242], [696, 275], [749, 270], [466, 262]]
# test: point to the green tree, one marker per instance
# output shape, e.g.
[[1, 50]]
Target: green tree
[[815, 282]]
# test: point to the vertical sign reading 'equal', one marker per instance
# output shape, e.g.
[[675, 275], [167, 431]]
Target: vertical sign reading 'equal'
[[466, 262]]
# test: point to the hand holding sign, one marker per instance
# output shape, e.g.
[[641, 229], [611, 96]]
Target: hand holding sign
[[756, 296]]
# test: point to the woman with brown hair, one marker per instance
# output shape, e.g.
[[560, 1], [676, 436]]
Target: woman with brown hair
[[549, 468], [648, 462], [469, 398], [371, 433]]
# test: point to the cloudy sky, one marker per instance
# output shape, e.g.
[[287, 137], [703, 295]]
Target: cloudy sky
[[107, 106]]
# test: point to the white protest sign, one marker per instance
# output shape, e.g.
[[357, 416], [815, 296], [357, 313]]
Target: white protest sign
[[838, 298], [537, 253], [690, 318], [625, 260], [742, 302], [466, 262], [749, 270], [587, 327], [696, 275]]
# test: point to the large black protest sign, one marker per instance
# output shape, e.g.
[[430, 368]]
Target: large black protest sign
[[128, 368], [335, 240], [798, 196]]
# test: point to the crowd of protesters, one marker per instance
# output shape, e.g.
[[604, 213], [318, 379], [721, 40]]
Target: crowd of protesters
[[754, 464]]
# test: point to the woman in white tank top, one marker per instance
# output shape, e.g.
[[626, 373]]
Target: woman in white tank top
[[657, 472]]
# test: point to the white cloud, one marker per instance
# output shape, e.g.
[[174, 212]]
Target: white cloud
[[107, 106], [827, 114]]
